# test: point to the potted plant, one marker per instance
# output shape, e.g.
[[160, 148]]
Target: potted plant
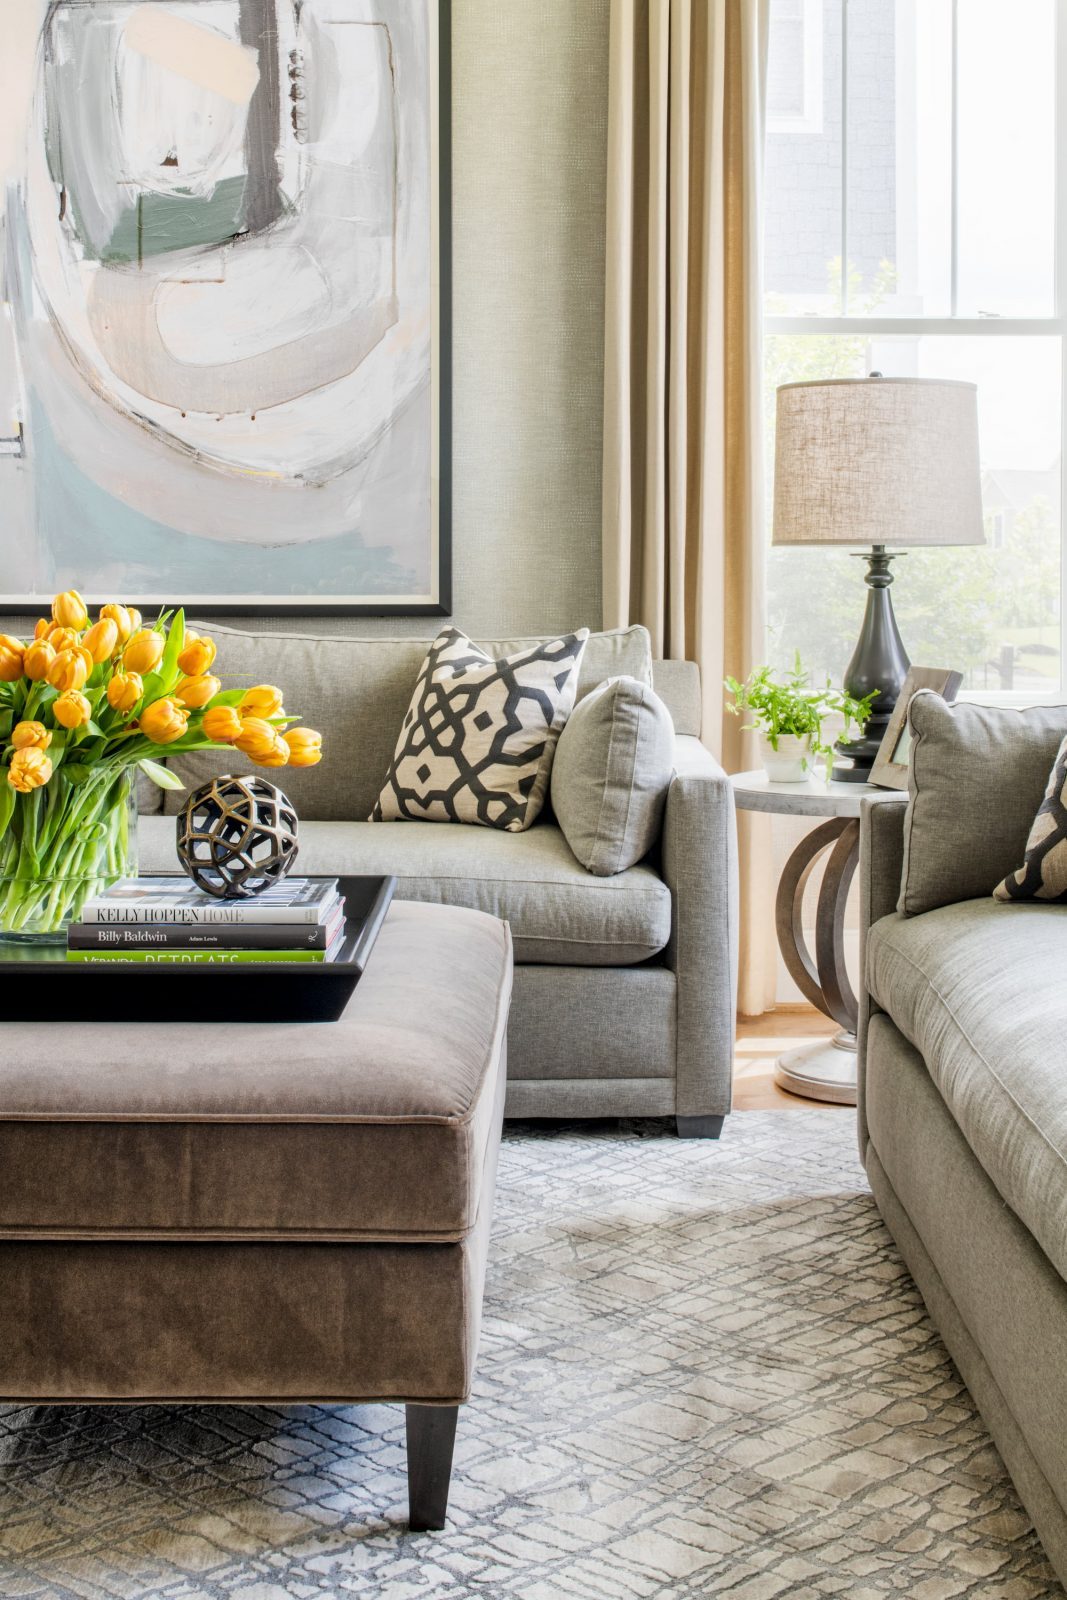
[[85, 708], [789, 713]]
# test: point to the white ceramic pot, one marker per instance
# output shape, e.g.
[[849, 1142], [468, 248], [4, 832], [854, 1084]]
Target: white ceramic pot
[[791, 762]]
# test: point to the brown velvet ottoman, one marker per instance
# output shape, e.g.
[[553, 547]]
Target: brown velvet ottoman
[[281, 1213]]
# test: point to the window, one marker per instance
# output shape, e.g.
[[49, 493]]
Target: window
[[914, 231], [794, 68]]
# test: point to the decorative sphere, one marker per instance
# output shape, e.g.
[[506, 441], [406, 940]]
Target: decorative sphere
[[237, 836]]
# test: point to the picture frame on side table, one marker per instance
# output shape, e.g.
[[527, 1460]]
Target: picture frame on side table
[[890, 769]]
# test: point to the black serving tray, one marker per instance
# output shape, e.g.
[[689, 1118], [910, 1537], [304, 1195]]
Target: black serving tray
[[39, 983]]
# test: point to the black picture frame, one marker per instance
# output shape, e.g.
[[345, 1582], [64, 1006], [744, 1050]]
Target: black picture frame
[[222, 608]]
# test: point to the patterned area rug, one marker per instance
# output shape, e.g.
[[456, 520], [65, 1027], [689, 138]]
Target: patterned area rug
[[704, 1371]]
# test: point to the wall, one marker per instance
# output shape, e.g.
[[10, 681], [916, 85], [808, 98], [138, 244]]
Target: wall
[[529, 115]]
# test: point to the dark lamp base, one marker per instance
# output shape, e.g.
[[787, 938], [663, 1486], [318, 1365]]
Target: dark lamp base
[[847, 772], [879, 665]]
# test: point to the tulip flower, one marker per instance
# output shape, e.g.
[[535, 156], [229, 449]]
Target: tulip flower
[[222, 724], [43, 627], [276, 756], [197, 655], [256, 738], [70, 670], [31, 736], [11, 654], [135, 618], [163, 721], [102, 639], [144, 651], [305, 747], [196, 692], [38, 659], [61, 638], [120, 616], [29, 770], [262, 701], [69, 610], [124, 691], [72, 709]]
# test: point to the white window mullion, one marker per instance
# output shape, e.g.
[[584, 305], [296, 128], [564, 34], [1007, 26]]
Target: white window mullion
[[954, 167], [1060, 292], [844, 158], [881, 327]]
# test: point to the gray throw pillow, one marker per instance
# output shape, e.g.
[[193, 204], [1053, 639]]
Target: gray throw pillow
[[977, 775], [1043, 874], [613, 766]]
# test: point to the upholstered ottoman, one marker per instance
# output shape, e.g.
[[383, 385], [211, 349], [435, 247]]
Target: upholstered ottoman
[[274, 1213]]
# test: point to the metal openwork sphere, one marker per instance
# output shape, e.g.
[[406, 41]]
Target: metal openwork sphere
[[237, 836]]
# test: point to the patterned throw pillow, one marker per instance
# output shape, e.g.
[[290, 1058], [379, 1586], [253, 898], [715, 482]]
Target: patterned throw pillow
[[477, 742], [1043, 874]]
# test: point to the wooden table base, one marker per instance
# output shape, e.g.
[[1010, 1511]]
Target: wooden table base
[[824, 1071]]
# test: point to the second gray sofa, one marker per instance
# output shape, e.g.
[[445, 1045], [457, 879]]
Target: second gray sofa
[[625, 986], [963, 1074]]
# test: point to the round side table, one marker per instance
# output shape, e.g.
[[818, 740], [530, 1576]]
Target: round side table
[[823, 1071]]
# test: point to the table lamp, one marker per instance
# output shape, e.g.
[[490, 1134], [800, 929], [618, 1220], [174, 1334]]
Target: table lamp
[[877, 461]]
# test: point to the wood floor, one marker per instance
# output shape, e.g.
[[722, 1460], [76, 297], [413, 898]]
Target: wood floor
[[759, 1040]]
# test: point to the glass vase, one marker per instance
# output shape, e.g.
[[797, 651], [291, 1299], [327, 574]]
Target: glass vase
[[65, 843]]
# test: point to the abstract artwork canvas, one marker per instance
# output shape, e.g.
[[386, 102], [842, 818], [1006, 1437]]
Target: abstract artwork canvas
[[224, 340]]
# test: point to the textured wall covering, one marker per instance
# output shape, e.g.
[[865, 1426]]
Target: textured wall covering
[[529, 91], [530, 131]]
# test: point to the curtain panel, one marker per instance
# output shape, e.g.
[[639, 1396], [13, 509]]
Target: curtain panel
[[683, 535]]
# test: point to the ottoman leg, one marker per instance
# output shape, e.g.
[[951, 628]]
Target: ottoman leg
[[431, 1432]]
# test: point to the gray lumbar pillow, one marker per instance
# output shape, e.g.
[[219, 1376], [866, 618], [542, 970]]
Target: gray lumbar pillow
[[612, 768]]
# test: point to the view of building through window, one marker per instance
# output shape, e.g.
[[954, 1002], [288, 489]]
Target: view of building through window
[[915, 140]]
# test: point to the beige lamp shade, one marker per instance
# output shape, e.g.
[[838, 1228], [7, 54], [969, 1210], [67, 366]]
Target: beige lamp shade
[[886, 461]]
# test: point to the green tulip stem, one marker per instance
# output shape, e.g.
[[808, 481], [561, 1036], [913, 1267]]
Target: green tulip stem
[[62, 846]]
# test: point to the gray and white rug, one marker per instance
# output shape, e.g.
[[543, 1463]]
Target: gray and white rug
[[704, 1371]]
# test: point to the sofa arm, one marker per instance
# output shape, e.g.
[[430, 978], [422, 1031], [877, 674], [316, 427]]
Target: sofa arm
[[700, 869], [881, 863]]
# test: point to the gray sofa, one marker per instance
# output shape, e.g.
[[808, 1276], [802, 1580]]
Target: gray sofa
[[963, 1075], [625, 986]]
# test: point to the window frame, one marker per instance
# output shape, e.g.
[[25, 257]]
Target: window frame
[[992, 327], [810, 119]]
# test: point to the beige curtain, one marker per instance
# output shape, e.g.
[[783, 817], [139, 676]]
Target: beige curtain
[[683, 470]]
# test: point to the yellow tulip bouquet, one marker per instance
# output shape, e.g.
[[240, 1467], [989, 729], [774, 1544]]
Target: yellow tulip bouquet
[[84, 708]]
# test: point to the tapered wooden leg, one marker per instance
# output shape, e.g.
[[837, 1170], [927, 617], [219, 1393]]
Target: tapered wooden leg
[[699, 1127], [431, 1432]]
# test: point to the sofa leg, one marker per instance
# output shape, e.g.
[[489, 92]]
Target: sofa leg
[[431, 1434], [699, 1127]]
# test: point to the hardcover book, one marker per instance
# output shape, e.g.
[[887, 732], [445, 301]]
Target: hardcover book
[[206, 936], [202, 958], [174, 900]]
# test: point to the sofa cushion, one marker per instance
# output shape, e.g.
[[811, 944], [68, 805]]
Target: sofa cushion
[[355, 691], [678, 685], [558, 912], [478, 738], [975, 780], [375, 1127], [611, 773], [978, 989], [1043, 874]]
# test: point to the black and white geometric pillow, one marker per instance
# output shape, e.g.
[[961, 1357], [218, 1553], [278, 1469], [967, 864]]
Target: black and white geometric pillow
[[477, 742]]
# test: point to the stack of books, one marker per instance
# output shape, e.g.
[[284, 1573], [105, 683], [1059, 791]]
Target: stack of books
[[169, 922]]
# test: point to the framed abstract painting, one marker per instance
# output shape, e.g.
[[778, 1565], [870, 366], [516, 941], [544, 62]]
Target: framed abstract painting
[[225, 322]]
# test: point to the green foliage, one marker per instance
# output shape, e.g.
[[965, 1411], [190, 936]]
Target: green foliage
[[791, 705]]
